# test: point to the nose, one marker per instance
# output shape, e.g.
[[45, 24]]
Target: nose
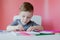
[[25, 19]]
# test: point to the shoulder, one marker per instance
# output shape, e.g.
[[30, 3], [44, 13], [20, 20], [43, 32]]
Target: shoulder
[[15, 22]]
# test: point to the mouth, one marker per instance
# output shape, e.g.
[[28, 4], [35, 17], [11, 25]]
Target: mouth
[[24, 23]]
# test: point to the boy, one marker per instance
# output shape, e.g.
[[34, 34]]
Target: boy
[[25, 23]]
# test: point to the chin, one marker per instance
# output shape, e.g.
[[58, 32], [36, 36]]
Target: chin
[[24, 23]]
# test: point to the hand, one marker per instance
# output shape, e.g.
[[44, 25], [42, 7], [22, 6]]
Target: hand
[[20, 28], [15, 28], [31, 29]]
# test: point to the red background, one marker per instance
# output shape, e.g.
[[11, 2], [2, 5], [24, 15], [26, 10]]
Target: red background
[[48, 9]]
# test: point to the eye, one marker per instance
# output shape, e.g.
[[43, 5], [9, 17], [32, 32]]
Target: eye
[[23, 16], [28, 17]]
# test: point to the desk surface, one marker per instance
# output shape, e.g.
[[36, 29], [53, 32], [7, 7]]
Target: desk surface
[[13, 36]]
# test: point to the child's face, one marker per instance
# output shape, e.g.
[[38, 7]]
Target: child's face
[[25, 16]]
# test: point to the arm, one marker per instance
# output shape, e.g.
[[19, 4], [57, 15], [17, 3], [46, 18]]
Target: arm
[[11, 28], [40, 28], [35, 26], [15, 28]]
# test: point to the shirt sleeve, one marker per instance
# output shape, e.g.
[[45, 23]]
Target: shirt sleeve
[[14, 23]]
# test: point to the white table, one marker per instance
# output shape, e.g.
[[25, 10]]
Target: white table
[[12, 36]]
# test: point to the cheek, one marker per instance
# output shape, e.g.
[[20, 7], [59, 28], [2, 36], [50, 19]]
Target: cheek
[[22, 18], [28, 20]]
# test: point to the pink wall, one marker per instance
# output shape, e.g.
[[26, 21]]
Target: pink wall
[[54, 11], [0, 14], [8, 9], [51, 16], [49, 10]]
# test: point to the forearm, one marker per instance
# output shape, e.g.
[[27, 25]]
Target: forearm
[[11, 28], [39, 28]]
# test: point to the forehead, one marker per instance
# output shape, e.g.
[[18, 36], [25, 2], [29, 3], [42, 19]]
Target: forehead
[[26, 13]]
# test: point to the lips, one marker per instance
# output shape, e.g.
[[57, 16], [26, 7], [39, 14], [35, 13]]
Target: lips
[[24, 23]]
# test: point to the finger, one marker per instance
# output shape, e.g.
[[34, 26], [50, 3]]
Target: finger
[[29, 29]]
